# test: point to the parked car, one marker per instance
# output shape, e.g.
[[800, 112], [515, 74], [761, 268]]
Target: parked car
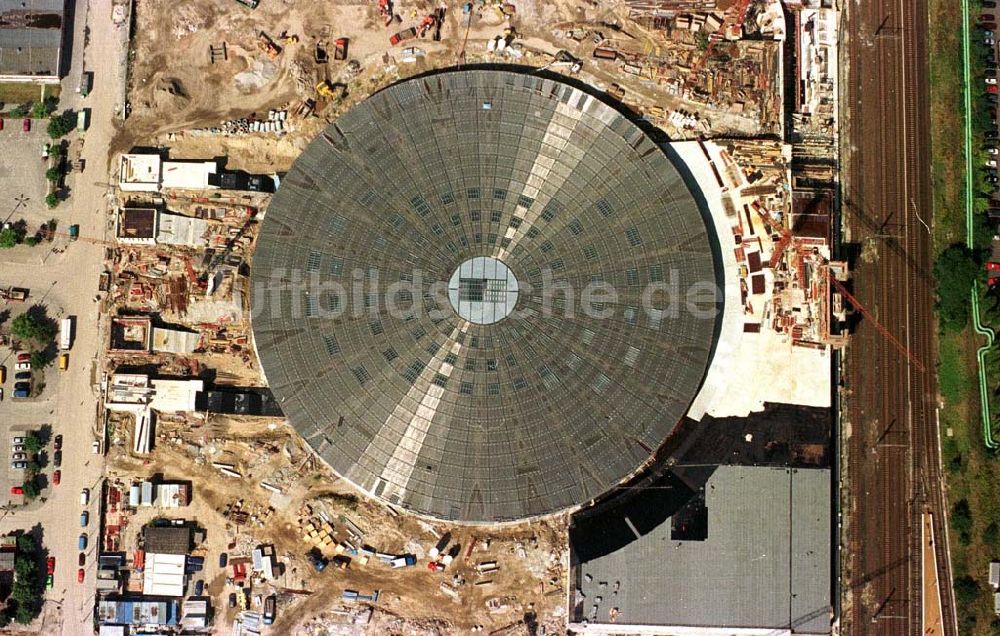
[[232, 599], [26, 386], [19, 457], [990, 72], [23, 375], [989, 4], [84, 518], [26, 125], [56, 477], [57, 459], [49, 581], [80, 575], [24, 357], [45, 151], [3, 369], [81, 542], [16, 490], [989, 42], [21, 393], [85, 496], [82, 559], [18, 465], [57, 443], [17, 440], [22, 366], [199, 587], [223, 559], [96, 447], [50, 565], [17, 448], [990, 80]]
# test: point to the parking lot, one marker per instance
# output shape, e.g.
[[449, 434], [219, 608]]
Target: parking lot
[[22, 174]]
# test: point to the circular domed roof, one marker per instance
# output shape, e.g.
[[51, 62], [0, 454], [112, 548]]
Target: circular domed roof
[[432, 291]]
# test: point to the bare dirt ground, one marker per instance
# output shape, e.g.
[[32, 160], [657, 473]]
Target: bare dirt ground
[[532, 557], [175, 85]]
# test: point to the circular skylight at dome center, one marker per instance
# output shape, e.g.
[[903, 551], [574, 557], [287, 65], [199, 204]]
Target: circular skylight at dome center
[[483, 290]]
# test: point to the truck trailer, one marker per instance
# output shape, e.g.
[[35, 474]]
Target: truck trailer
[[65, 334]]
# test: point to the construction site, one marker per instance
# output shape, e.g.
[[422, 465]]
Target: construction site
[[344, 473]]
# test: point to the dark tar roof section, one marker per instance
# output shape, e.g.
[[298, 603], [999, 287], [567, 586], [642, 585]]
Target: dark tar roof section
[[765, 562], [30, 37], [139, 223], [168, 540]]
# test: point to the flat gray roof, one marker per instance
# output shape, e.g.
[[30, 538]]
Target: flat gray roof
[[543, 409], [30, 37], [764, 564]]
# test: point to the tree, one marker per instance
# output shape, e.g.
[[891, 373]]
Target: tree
[[33, 443], [961, 521], [8, 238], [51, 200], [955, 270], [29, 326], [31, 489], [53, 174], [991, 535], [966, 590], [61, 125], [39, 360], [31, 241], [19, 111]]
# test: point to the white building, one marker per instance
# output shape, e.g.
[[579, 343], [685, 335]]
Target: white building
[[139, 173]]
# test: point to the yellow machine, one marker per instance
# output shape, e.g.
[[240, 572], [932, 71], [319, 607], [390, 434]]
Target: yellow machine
[[326, 89]]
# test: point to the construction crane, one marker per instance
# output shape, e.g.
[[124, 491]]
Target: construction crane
[[741, 14], [785, 238], [868, 316], [467, 13]]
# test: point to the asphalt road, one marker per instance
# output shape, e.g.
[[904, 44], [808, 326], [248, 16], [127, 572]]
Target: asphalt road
[[67, 283], [893, 458]]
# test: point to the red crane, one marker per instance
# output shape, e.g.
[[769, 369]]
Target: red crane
[[741, 14], [868, 316]]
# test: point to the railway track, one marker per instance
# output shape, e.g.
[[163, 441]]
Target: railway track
[[892, 453]]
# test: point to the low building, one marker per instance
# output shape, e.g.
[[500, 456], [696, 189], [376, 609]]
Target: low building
[[185, 231], [748, 551], [137, 226], [167, 540], [164, 574], [175, 340], [194, 613], [138, 612], [31, 37], [263, 561], [188, 175], [139, 172], [131, 334]]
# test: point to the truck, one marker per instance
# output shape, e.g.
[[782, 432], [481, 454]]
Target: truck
[[81, 121], [269, 606], [316, 559], [403, 561], [84, 88], [65, 334], [14, 294], [402, 36]]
